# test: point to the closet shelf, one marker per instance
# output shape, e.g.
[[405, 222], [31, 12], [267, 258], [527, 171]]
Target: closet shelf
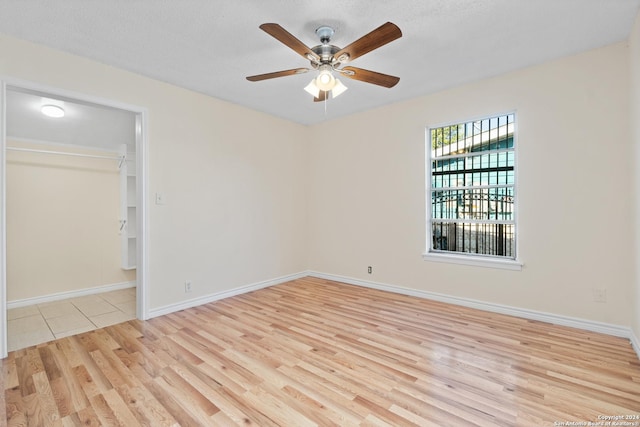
[[128, 202]]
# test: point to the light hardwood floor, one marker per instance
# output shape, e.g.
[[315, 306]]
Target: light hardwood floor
[[315, 352]]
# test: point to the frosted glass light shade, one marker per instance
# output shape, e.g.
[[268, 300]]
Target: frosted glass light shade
[[50, 110], [338, 89], [313, 89]]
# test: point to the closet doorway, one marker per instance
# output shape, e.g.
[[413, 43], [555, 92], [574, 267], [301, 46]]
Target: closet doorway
[[73, 215]]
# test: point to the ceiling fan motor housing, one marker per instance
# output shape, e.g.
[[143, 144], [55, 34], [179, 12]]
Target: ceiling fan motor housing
[[325, 52]]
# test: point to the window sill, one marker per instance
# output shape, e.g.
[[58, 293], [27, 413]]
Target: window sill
[[476, 261]]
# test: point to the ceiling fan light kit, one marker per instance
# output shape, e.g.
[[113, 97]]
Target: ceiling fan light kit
[[334, 86], [327, 59], [325, 80]]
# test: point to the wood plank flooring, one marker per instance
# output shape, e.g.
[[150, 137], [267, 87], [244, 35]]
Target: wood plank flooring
[[314, 352]]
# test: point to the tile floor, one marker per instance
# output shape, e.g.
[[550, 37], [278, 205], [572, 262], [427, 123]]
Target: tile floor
[[40, 323]]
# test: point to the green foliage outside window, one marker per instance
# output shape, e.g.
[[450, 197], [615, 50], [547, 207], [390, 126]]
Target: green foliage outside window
[[446, 135]]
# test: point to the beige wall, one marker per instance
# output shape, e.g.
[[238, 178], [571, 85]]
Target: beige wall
[[235, 210], [251, 197], [634, 55], [575, 192], [62, 222]]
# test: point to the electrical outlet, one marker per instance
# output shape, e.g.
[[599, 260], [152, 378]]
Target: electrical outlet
[[600, 295], [187, 286], [369, 269]]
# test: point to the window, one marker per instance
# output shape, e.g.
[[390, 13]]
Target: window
[[471, 176]]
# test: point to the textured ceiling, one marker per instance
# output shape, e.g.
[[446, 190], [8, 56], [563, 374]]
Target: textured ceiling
[[211, 46]]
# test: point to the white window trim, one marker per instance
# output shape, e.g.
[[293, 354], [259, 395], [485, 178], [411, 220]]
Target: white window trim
[[475, 260]]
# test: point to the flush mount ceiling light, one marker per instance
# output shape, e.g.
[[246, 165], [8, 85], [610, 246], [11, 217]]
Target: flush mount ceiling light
[[52, 110], [327, 59]]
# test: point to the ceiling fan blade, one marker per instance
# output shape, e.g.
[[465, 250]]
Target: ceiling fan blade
[[275, 74], [285, 37], [324, 94], [370, 76], [382, 35]]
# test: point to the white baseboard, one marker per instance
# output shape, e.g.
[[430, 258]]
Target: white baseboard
[[205, 299], [589, 325], [69, 294]]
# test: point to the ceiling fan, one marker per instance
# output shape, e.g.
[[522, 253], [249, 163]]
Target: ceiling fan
[[327, 58]]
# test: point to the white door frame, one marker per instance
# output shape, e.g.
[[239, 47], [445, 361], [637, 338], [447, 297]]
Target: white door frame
[[142, 308]]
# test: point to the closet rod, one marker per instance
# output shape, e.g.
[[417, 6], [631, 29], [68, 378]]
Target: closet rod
[[93, 156]]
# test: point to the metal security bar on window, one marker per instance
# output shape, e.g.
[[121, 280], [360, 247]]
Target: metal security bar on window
[[472, 168]]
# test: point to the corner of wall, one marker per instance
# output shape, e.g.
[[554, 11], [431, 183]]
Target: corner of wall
[[634, 64], [635, 342]]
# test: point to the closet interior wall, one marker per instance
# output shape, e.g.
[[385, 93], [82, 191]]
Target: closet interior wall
[[63, 221]]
